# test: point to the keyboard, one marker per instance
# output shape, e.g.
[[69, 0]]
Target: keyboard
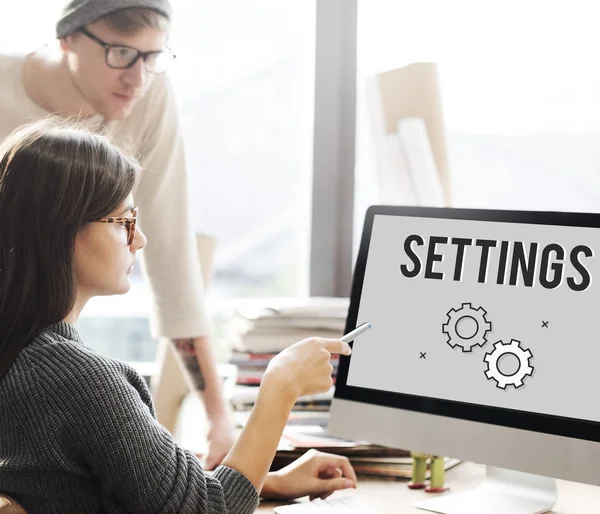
[[345, 505]]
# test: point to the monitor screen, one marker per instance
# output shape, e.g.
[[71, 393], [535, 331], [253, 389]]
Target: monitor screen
[[487, 316]]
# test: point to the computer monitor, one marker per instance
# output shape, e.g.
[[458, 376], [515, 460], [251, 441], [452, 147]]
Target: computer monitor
[[484, 346]]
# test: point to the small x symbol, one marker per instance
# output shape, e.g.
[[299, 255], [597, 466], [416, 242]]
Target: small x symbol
[[544, 324], [423, 354]]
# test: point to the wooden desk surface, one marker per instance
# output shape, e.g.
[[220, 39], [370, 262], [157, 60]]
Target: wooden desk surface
[[393, 497]]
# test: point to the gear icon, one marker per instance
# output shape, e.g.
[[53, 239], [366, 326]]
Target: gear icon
[[513, 348], [467, 338]]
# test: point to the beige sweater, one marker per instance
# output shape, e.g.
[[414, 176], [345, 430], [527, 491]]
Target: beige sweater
[[153, 134]]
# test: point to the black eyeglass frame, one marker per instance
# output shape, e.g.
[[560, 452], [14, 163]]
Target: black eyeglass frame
[[144, 55]]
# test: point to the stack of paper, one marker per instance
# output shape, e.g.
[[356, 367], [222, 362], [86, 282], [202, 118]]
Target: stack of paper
[[259, 330], [272, 326], [244, 397], [366, 459], [301, 435]]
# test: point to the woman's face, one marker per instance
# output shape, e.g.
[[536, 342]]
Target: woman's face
[[103, 260]]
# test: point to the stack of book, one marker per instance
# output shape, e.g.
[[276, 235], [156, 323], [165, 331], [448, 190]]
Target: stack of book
[[264, 328], [366, 459], [304, 432], [259, 331], [251, 368], [243, 399]]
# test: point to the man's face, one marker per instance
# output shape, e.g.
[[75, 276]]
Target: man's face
[[110, 92]]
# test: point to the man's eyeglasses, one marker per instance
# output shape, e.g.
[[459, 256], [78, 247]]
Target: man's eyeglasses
[[123, 57], [129, 223]]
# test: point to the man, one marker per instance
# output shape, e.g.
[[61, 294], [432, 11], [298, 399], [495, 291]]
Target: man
[[108, 69]]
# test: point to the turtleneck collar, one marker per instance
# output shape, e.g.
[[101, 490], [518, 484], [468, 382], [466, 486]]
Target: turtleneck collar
[[65, 330]]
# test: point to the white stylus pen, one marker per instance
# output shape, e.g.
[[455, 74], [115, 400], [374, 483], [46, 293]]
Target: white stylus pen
[[350, 336]]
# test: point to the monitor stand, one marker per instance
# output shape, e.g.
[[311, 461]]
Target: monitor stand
[[501, 492]]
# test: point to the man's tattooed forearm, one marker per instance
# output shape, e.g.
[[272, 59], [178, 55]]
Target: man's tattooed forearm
[[187, 351]]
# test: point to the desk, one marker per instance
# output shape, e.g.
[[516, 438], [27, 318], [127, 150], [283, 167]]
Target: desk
[[393, 497]]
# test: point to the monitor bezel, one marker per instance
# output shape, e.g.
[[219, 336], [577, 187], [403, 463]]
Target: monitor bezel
[[543, 423]]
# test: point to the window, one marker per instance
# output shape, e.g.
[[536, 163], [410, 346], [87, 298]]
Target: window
[[520, 92], [245, 78], [23, 32]]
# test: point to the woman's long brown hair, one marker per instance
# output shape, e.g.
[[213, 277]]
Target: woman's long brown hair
[[54, 179]]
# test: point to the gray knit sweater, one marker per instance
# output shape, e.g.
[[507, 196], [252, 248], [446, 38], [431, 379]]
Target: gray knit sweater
[[78, 434]]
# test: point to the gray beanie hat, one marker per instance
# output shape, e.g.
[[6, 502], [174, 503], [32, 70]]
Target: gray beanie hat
[[78, 13]]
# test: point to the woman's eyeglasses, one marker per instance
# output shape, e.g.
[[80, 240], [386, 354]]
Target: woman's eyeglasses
[[122, 57], [129, 223]]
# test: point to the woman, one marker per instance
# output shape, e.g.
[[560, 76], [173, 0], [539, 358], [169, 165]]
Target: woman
[[78, 428]]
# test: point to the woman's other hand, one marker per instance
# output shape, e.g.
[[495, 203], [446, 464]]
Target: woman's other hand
[[315, 474]]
